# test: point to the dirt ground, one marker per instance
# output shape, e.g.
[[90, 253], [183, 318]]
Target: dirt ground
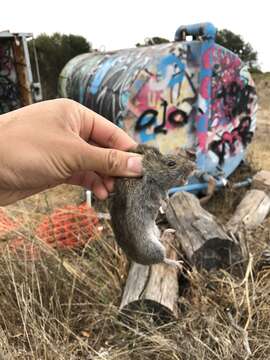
[[64, 305]]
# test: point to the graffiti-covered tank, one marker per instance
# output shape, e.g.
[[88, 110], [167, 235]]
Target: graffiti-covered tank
[[192, 94]]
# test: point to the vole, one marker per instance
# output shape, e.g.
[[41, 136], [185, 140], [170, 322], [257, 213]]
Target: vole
[[136, 202]]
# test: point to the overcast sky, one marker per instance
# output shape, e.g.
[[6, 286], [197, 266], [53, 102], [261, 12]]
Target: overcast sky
[[119, 24]]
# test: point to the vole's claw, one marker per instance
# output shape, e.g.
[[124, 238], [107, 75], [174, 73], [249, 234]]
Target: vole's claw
[[161, 210], [175, 263], [163, 206]]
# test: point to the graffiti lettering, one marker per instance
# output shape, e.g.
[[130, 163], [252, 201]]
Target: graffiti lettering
[[154, 91], [233, 108], [236, 98], [178, 117], [241, 135], [148, 118], [108, 86]]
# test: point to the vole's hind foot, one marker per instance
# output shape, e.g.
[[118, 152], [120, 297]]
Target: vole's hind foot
[[174, 263]]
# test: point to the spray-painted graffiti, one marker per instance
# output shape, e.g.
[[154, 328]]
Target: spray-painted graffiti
[[229, 140], [147, 93], [9, 94], [233, 108], [193, 94], [162, 96]]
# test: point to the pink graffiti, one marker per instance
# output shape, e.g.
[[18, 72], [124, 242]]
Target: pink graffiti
[[146, 96], [229, 65], [205, 84], [206, 58], [170, 110], [202, 139]]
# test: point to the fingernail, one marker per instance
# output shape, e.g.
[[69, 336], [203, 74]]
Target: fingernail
[[134, 165]]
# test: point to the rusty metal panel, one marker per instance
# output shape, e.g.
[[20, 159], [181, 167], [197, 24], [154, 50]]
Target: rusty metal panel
[[16, 82], [24, 83], [10, 97]]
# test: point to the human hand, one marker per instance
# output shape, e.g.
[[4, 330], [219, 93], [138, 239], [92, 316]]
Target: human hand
[[60, 141]]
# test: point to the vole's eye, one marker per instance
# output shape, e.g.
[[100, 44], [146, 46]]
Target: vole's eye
[[171, 163]]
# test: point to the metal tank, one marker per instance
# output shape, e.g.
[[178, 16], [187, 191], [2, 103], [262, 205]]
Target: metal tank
[[192, 94]]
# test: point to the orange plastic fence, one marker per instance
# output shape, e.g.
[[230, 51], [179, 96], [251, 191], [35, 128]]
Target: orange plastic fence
[[68, 227], [6, 223]]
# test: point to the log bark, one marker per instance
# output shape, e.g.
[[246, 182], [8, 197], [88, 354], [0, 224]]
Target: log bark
[[153, 287], [261, 181], [251, 211], [204, 242]]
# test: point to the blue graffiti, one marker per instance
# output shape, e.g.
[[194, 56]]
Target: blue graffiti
[[172, 59], [100, 75]]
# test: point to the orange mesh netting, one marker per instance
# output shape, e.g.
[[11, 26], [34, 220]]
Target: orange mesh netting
[[24, 248], [69, 227], [6, 223]]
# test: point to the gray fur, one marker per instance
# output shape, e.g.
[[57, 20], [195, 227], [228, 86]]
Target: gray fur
[[135, 204]]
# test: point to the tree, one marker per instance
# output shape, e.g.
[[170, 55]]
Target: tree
[[225, 38], [153, 41], [53, 52], [236, 44]]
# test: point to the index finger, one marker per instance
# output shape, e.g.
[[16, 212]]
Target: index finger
[[103, 132]]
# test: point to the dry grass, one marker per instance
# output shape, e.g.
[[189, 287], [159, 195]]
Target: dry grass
[[57, 307], [65, 305]]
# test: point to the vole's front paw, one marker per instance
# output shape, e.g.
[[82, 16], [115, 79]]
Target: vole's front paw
[[176, 263]]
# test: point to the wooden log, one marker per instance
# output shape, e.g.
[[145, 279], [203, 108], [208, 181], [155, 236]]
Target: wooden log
[[204, 242], [261, 181], [251, 211], [155, 287]]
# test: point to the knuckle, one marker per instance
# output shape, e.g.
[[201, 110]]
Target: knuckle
[[66, 103], [113, 138], [113, 161], [67, 107]]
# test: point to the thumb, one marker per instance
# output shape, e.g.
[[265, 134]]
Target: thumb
[[110, 162]]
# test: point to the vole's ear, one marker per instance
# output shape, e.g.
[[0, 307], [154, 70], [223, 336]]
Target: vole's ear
[[185, 153], [141, 149], [146, 150]]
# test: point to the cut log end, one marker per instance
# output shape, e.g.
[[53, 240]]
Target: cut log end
[[251, 211], [218, 254], [204, 242], [153, 288], [148, 307]]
